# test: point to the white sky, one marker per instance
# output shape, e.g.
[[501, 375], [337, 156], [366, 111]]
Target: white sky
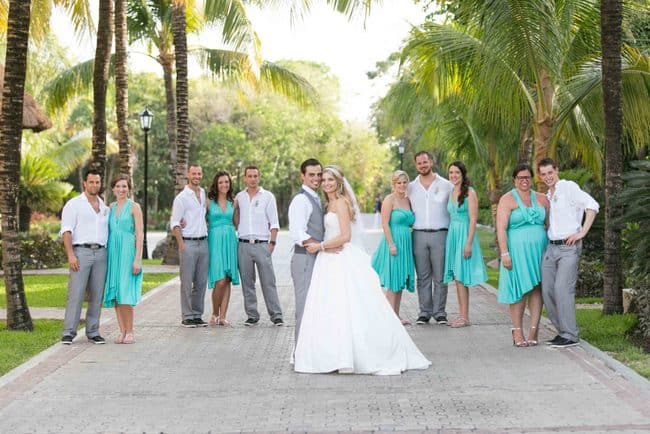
[[348, 47]]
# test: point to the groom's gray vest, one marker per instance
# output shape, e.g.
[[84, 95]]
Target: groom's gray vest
[[315, 224]]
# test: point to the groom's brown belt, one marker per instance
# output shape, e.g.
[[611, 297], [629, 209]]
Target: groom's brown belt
[[431, 230], [242, 240]]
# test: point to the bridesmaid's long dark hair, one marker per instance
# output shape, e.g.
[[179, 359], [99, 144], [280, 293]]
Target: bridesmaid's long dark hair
[[465, 184], [214, 187]]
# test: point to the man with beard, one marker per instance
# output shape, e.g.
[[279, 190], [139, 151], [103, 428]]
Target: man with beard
[[84, 229], [429, 193], [191, 232]]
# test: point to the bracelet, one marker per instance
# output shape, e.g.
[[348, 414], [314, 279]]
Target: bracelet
[[504, 254], [322, 246]]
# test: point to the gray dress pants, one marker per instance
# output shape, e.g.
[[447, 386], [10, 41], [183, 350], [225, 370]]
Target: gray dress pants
[[92, 276], [251, 256], [559, 277], [429, 255], [194, 278], [302, 267]]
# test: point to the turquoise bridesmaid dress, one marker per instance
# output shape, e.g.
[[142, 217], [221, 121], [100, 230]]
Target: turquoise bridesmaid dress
[[122, 286], [222, 244], [469, 271], [526, 243], [397, 272]]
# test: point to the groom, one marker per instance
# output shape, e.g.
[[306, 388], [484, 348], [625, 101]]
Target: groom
[[305, 226]]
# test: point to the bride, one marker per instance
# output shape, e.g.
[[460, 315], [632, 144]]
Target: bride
[[348, 326]]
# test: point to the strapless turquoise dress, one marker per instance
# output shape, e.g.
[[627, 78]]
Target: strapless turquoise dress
[[397, 272], [470, 271], [526, 243]]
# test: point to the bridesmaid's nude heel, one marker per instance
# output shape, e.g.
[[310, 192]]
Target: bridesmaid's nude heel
[[520, 344], [128, 338], [532, 342]]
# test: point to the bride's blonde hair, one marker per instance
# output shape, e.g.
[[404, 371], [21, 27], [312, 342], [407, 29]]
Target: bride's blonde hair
[[337, 173]]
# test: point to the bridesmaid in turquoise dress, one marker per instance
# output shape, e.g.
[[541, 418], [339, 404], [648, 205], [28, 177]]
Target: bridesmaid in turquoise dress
[[463, 257], [222, 215], [124, 268], [393, 259], [521, 217]]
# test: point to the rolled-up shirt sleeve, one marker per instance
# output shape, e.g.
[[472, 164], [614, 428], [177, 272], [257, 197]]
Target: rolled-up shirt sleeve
[[582, 199], [272, 213], [299, 211], [68, 221], [177, 213]]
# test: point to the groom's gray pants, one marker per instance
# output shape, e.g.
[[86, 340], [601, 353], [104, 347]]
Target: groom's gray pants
[[302, 266]]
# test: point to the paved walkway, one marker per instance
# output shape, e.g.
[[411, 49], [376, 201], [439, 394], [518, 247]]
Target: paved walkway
[[238, 379]]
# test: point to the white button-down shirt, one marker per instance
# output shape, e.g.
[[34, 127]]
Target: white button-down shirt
[[568, 204], [300, 210], [430, 205], [257, 215], [86, 226], [191, 210]]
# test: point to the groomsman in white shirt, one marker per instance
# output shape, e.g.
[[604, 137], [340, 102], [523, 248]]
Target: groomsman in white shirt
[[560, 262], [84, 229], [428, 194], [191, 231], [257, 232]]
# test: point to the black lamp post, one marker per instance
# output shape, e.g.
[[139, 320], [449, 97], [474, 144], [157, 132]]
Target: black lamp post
[[239, 164], [145, 123], [401, 148]]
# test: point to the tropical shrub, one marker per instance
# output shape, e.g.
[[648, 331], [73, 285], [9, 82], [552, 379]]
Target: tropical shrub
[[38, 250]]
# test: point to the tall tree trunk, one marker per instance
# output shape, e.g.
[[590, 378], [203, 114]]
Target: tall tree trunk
[[166, 60], [100, 82], [610, 25], [11, 121], [182, 114], [127, 156], [544, 123]]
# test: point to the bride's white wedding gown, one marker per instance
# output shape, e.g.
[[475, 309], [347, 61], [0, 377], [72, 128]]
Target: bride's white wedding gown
[[348, 325]]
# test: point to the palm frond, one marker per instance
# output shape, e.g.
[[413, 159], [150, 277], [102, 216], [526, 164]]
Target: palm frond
[[73, 82]]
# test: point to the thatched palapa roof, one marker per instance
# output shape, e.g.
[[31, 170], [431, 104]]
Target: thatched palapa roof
[[34, 118]]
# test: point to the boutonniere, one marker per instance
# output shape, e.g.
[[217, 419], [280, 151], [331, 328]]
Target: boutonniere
[[256, 203], [435, 190], [554, 197]]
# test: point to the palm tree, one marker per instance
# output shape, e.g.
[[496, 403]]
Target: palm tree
[[18, 316], [611, 23], [127, 155], [100, 83], [534, 63]]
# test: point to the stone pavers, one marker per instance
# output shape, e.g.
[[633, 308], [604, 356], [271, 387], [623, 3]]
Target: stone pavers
[[238, 379]]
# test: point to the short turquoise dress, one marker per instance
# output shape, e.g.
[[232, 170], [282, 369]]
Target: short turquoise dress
[[122, 286], [526, 243], [222, 244], [397, 272], [469, 271]]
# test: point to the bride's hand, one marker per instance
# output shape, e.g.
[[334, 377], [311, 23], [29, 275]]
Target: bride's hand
[[312, 247]]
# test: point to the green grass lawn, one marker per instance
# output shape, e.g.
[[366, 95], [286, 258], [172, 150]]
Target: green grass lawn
[[610, 333], [18, 347], [50, 290]]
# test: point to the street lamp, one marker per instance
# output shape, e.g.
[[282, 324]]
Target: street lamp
[[239, 164], [145, 123], [401, 148]]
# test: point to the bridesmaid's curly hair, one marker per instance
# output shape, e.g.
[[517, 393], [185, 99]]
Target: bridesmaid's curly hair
[[465, 184], [214, 187]]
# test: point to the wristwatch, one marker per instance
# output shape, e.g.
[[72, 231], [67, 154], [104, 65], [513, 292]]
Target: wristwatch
[[272, 242]]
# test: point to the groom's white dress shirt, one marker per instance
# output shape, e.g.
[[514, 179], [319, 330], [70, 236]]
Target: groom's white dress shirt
[[300, 210]]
